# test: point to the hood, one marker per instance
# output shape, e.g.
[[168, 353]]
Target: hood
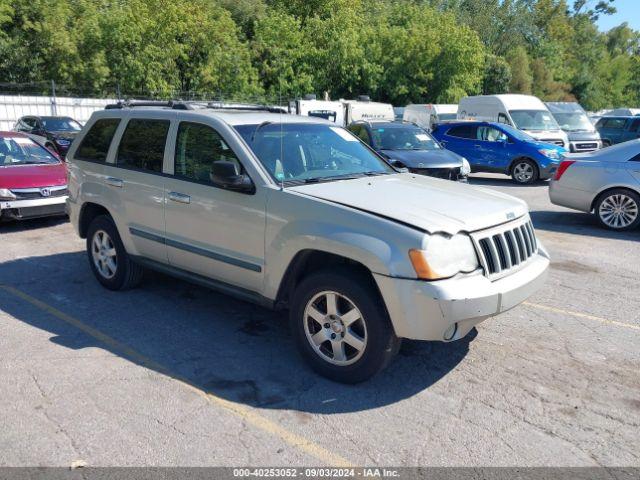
[[429, 204], [33, 176], [425, 158], [64, 134], [584, 136], [543, 135]]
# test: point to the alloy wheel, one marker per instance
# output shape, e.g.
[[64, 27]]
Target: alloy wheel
[[618, 211], [335, 328], [103, 252], [523, 172]]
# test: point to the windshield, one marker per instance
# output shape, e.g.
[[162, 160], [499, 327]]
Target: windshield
[[447, 116], [61, 124], [307, 152], [23, 151], [403, 138], [574, 122], [534, 120]]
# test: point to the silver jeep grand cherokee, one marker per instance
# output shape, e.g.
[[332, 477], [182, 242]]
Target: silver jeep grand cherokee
[[296, 213]]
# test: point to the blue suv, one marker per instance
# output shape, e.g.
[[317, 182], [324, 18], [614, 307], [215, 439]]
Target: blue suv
[[499, 148]]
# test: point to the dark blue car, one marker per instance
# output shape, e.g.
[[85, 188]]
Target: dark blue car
[[495, 147]]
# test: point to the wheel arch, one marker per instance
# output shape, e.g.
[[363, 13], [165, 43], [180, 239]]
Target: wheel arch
[[520, 158], [308, 261], [607, 189], [88, 212]]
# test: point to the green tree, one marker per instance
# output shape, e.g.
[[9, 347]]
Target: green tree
[[497, 75], [281, 54], [521, 77]]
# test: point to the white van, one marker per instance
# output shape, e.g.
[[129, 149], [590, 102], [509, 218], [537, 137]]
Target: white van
[[310, 107], [427, 115], [524, 112], [365, 109]]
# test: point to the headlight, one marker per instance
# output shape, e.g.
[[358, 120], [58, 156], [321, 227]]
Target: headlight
[[466, 167], [549, 153], [6, 194], [443, 257], [63, 142]]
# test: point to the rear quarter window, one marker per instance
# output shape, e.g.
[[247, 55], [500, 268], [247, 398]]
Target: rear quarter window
[[463, 131], [95, 144]]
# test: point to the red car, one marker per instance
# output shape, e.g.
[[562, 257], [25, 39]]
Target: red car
[[33, 180]]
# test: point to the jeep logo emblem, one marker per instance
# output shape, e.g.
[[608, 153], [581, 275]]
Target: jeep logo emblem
[[511, 216]]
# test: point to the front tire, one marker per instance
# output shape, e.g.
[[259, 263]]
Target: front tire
[[618, 209], [524, 171], [108, 258], [341, 326]]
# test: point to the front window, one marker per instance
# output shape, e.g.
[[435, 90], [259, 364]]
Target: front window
[[23, 151], [533, 120], [574, 122], [60, 124], [306, 152], [403, 138]]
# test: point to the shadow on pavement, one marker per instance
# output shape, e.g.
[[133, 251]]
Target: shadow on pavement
[[502, 181], [229, 348], [10, 226], [577, 223]]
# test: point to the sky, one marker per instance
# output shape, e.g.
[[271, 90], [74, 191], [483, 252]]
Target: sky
[[628, 11]]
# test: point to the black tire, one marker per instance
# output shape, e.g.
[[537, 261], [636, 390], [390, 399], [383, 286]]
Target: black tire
[[128, 274], [531, 165], [606, 143], [381, 342], [613, 196]]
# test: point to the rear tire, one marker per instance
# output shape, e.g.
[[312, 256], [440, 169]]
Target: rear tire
[[108, 258], [618, 209], [341, 325], [524, 172]]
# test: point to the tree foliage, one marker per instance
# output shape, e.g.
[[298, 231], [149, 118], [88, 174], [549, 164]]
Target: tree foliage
[[399, 51]]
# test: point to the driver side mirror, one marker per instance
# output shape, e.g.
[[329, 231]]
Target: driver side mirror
[[225, 174]]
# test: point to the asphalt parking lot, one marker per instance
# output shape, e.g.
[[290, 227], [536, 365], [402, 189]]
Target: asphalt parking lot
[[173, 374]]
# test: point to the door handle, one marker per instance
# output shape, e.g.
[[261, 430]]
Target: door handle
[[114, 182], [179, 197], [478, 146]]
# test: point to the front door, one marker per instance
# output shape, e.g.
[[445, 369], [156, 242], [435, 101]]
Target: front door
[[493, 148], [212, 231]]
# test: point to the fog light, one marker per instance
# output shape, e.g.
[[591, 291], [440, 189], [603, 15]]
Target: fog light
[[451, 332]]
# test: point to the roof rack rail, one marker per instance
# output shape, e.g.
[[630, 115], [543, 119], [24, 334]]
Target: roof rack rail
[[174, 104], [247, 107]]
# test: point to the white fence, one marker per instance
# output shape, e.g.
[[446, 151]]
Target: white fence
[[13, 107]]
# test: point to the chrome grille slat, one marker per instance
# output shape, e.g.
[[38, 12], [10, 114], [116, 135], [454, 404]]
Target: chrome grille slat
[[505, 248]]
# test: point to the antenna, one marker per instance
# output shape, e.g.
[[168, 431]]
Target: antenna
[[281, 135]]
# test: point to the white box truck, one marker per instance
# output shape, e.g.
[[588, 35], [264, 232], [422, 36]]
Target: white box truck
[[327, 109], [524, 112], [426, 115], [364, 109]]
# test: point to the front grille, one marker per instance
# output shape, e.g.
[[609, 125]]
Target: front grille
[[586, 147], [445, 173], [555, 141], [36, 193], [504, 249]]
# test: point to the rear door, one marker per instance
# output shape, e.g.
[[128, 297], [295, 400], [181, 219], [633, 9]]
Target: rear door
[[633, 131], [462, 139], [136, 182], [212, 231]]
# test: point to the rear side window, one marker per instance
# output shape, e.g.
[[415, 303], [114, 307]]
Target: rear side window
[[615, 123], [142, 144], [95, 144], [198, 147], [463, 131]]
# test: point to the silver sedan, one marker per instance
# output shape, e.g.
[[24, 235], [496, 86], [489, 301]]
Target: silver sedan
[[606, 182]]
